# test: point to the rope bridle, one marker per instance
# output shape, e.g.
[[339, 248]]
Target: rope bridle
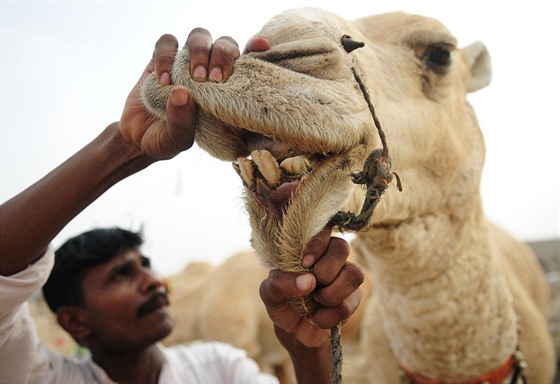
[[376, 176]]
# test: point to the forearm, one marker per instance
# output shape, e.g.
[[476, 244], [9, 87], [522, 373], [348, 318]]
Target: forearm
[[313, 366], [30, 220]]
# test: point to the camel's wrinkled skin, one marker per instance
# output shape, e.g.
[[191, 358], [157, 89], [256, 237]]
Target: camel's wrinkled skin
[[454, 295]]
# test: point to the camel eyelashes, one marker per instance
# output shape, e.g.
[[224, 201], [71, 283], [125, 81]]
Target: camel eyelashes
[[349, 44]]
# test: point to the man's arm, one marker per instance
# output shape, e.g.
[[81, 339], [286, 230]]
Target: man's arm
[[334, 284], [30, 220]]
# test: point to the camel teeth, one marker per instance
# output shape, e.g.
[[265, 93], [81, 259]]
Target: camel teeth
[[236, 167], [247, 170], [295, 165], [268, 166]]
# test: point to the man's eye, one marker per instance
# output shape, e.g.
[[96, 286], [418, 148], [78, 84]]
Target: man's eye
[[146, 263], [121, 272]]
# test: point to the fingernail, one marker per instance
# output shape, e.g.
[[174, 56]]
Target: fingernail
[[307, 261], [304, 282], [165, 79], [199, 73], [178, 97], [215, 75]]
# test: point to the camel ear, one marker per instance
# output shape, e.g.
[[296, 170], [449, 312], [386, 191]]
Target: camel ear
[[72, 320], [480, 68]]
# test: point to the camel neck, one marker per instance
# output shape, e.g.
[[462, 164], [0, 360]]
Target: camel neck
[[446, 307]]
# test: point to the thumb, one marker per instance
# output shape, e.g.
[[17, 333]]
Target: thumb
[[181, 117], [280, 286]]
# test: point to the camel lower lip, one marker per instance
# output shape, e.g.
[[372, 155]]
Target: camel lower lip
[[275, 200]]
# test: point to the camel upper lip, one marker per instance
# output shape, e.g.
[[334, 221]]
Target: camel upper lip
[[280, 93], [256, 141]]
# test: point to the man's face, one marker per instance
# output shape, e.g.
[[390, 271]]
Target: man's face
[[126, 303]]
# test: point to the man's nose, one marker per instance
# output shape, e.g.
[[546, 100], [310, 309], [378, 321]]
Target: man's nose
[[151, 281]]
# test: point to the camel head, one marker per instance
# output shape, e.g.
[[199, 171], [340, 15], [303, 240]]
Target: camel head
[[295, 122]]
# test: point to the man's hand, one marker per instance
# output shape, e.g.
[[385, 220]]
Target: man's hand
[[333, 283], [165, 139], [31, 219]]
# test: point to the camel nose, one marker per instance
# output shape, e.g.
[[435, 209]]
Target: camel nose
[[350, 44]]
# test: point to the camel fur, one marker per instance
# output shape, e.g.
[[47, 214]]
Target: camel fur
[[185, 290], [454, 295], [215, 306]]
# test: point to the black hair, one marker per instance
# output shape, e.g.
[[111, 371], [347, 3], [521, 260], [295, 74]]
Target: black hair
[[77, 255]]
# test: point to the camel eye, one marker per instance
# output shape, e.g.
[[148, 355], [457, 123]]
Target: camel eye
[[438, 57]]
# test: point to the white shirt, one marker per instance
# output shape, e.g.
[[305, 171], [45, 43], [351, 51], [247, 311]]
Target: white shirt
[[24, 359]]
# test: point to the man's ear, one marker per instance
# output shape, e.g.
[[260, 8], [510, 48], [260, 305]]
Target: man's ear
[[73, 320]]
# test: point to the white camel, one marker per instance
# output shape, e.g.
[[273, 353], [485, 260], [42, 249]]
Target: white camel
[[455, 297]]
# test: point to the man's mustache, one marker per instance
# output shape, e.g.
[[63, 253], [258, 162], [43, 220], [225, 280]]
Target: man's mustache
[[158, 299]]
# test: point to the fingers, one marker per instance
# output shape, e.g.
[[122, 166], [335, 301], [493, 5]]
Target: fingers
[[334, 285], [209, 61], [338, 282], [316, 247], [332, 261], [348, 280], [339, 299], [199, 44], [224, 53], [328, 317], [164, 55], [280, 287], [257, 44]]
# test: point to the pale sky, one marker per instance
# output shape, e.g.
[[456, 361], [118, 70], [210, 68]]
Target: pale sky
[[67, 67]]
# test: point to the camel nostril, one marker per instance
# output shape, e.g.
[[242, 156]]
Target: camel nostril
[[350, 44]]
